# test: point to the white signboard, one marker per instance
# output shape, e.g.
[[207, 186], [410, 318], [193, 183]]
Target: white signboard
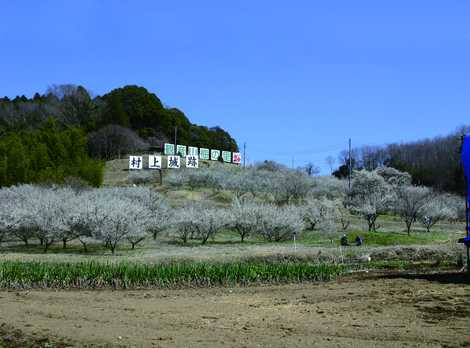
[[204, 154], [155, 162], [173, 162], [236, 157], [135, 162], [215, 154], [192, 162]]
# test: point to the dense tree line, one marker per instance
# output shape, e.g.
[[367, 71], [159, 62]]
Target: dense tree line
[[431, 162], [125, 120], [47, 154], [131, 107]]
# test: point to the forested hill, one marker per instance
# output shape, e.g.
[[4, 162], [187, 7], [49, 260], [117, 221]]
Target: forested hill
[[66, 132], [431, 162], [131, 107]]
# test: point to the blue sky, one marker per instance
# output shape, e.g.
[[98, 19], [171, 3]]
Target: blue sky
[[292, 79]]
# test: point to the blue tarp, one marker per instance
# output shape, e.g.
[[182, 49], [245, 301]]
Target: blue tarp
[[466, 168]]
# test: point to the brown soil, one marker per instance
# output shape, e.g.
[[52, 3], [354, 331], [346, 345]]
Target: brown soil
[[401, 311]]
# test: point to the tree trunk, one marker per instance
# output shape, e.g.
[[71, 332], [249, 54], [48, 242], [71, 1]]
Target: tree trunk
[[64, 243], [47, 244], [408, 228]]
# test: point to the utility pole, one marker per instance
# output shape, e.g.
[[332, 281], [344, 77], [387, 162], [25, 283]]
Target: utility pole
[[244, 154], [350, 166], [176, 131], [467, 222]]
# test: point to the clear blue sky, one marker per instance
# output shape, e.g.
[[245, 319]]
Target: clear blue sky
[[289, 78]]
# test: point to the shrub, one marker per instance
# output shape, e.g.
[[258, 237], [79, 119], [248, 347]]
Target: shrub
[[279, 223], [196, 220], [244, 218]]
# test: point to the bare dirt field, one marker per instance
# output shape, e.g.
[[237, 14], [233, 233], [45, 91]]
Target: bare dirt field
[[372, 311]]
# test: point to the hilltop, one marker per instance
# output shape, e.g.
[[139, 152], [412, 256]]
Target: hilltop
[[67, 132]]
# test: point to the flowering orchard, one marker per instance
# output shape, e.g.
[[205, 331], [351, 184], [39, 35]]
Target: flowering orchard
[[270, 203]]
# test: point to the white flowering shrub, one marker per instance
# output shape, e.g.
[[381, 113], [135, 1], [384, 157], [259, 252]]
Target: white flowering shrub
[[182, 222], [328, 187], [319, 213], [198, 221], [454, 203], [61, 214], [409, 202], [47, 213], [282, 184], [9, 213], [209, 222], [370, 196], [243, 218], [279, 223], [393, 176], [17, 206], [435, 210], [290, 186], [119, 214]]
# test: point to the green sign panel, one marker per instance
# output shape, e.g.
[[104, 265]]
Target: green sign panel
[[193, 151], [227, 156], [204, 154], [215, 154], [169, 149], [181, 150]]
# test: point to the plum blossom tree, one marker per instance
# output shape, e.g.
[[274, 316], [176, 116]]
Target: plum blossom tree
[[409, 202], [290, 186], [393, 176], [182, 221], [158, 208], [316, 212], [370, 196], [9, 217], [79, 218], [15, 212], [435, 210], [244, 218], [117, 217], [209, 221], [279, 223], [47, 213]]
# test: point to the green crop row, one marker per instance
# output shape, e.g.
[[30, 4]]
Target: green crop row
[[17, 274]]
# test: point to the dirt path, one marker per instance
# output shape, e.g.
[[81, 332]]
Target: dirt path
[[367, 313]]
